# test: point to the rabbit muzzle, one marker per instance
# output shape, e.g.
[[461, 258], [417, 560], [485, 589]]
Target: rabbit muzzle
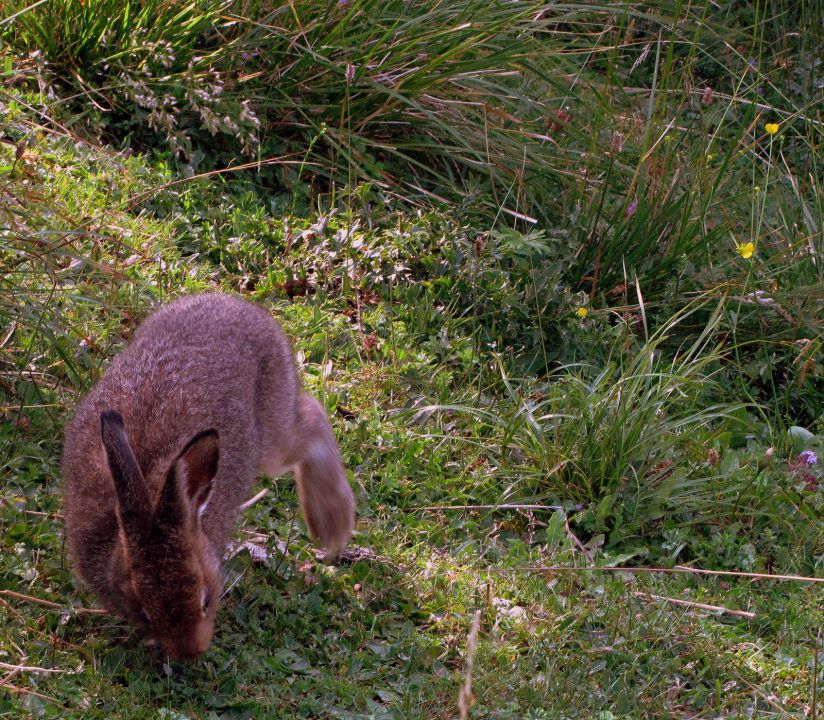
[[186, 649]]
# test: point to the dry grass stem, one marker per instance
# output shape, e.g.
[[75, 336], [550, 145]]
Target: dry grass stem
[[814, 708], [697, 605], [673, 570], [50, 604], [8, 676], [252, 500], [506, 506], [37, 513], [573, 538], [30, 668], [26, 691], [11, 609], [465, 697]]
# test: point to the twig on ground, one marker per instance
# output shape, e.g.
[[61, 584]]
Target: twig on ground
[[11, 609], [507, 506], [31, 668], [8, 676], [26, 691], [769, 699], [252, 500], [699, 606], [465, 697], [38, 513], [576, 542], [50, 604], [673, 570]]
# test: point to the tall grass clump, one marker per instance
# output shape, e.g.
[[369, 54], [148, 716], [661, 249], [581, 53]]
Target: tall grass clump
[[148, 69], [720, 143], [371, 80], [626, 439], [648, 453], [432, 100], [522, 110]]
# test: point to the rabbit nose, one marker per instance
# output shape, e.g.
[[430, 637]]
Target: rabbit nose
[[188, 654], [185, 651], [184, 654]]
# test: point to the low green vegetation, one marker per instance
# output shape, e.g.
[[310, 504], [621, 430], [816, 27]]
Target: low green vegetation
[[554, 271]]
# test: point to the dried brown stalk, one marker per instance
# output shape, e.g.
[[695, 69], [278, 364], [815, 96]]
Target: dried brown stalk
[[465, 697], [50, 604], [672, 570], [699, 606]]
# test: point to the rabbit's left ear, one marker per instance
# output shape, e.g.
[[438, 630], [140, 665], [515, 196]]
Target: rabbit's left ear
[[188, 484]]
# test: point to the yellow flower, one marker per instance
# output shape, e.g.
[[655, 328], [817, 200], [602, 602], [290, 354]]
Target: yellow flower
[[745, 250], [582, 312], [771, 128]]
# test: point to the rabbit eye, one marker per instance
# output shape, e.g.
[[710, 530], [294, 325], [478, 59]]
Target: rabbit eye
[[204, 600]]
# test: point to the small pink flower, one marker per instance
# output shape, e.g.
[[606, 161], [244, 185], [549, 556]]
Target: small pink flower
[[633, 206]]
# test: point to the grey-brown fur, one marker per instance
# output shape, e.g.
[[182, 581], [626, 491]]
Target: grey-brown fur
[[208, 381]]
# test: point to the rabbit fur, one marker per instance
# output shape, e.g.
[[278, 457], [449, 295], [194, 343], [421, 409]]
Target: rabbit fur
[[163, 451]]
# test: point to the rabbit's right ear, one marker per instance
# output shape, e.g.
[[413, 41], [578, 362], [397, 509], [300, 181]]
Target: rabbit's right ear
[[195, 469], [134, 504], [188, 483]]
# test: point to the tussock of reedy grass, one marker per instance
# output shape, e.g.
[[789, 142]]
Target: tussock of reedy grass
[[508, 106], [412, 99], [647, 443]]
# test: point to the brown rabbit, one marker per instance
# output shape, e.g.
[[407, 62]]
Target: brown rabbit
[[164, 450]]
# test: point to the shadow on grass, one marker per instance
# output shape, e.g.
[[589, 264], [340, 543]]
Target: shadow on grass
[[292, 635]]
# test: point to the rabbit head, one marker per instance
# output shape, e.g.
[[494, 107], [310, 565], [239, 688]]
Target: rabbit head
[[165, 574]]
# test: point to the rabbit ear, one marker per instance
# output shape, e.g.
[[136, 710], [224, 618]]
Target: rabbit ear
[[190, 476], [134, 504], [196, 468]]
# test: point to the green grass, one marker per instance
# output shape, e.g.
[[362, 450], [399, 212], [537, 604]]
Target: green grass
[[613, 371], [386, 636]]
